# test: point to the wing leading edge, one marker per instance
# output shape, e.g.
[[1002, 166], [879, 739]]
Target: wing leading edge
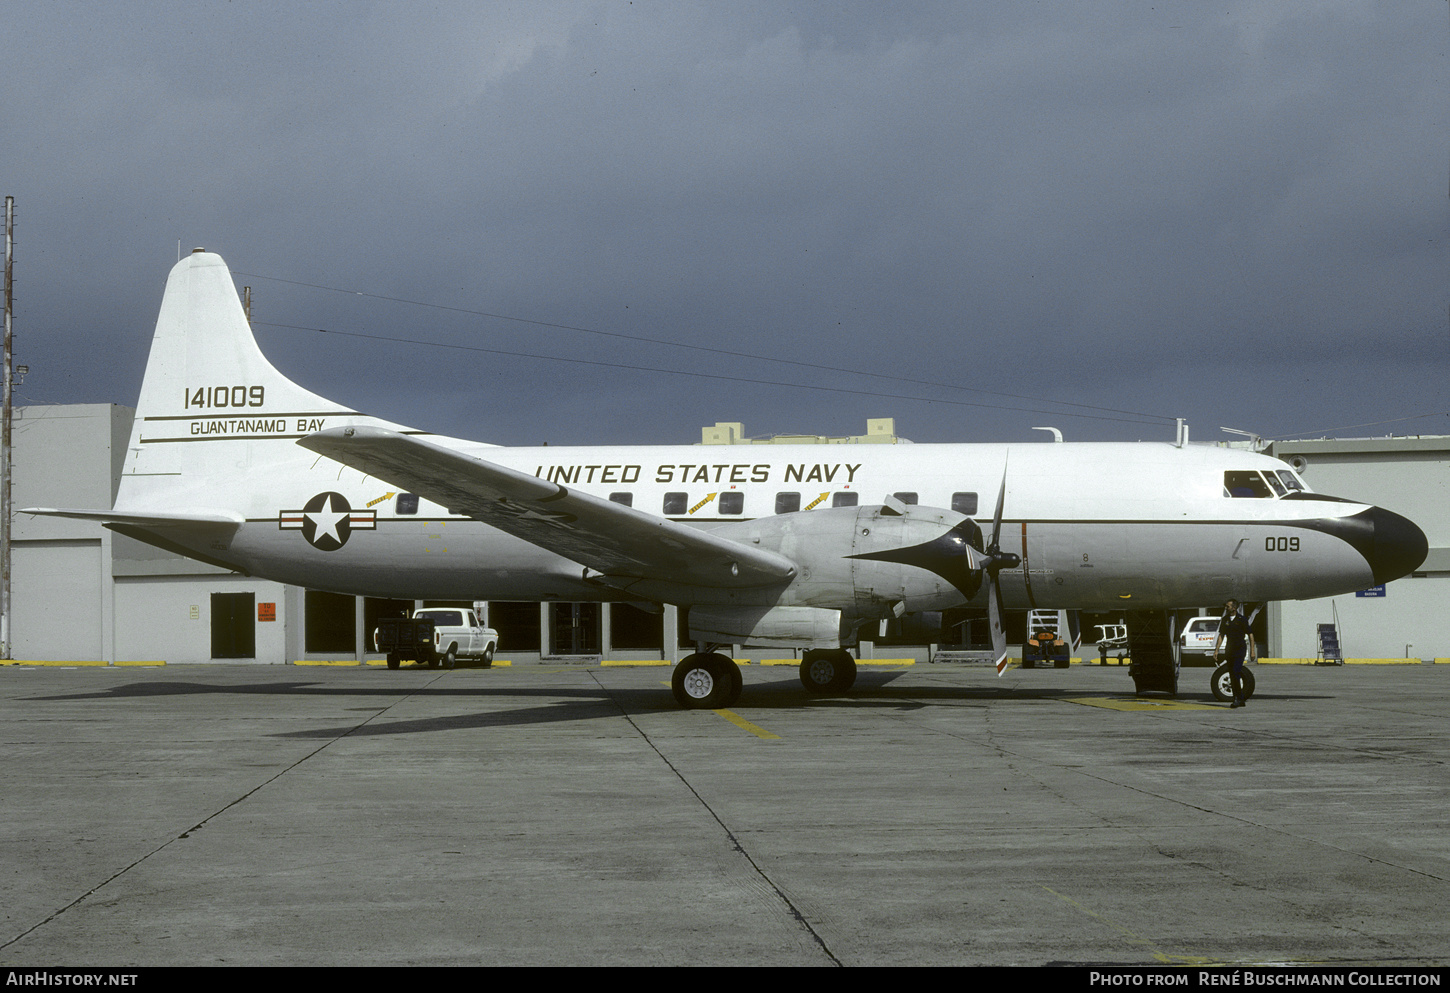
[[617, 543]]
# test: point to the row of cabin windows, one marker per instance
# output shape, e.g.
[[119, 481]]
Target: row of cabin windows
[[732, 502], [1237, 483]]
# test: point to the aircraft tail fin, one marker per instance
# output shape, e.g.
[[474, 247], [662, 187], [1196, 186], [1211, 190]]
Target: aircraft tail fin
[[204, 360], [212, 409]]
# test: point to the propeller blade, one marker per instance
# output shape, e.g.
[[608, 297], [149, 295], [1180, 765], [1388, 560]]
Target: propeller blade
[[994, 618], [997, 517]]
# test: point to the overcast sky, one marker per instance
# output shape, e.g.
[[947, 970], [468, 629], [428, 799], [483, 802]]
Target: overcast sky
[[1233, 212]]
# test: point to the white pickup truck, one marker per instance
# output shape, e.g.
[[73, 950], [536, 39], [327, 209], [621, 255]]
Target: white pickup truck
[[457, 634]]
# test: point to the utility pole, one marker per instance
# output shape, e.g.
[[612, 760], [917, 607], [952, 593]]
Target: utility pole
[[5, 511]]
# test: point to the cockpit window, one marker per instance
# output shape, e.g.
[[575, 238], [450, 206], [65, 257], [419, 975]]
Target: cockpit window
[[1242, 484], [1279, 488], [1290, 480]]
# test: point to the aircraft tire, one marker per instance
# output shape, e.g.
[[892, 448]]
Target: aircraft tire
[[707, 681], [1223, 687], [737, 683], [825, 672]]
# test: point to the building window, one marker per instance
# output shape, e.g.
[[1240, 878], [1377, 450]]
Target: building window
[[331, 622]]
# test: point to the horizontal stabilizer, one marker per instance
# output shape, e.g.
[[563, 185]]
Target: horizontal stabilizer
[[615, 541], [223, 518]]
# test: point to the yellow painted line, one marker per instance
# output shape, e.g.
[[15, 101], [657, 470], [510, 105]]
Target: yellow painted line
[[741, 722], [633, 662], [69, 663], [1381, 661], [1111, 703], [1413, 661]]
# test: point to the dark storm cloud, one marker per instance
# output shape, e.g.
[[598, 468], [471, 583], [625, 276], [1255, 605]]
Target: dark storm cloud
[[1233, 213]]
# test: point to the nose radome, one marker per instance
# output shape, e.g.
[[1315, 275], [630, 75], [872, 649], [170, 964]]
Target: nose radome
[[1398, 546]]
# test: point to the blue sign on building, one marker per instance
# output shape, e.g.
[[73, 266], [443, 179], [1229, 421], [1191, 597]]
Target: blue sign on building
[[1373, 591]]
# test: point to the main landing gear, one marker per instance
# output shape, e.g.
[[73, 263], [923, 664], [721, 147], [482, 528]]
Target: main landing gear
[[706, 681], [711, 681], [827, 671]]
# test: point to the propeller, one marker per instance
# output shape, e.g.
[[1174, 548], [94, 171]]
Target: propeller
[[959, 557]]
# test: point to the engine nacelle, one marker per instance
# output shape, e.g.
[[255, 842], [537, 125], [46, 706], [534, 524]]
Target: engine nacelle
[[769, 627], [872, 561]]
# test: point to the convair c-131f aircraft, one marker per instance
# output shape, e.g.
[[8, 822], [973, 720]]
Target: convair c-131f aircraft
[[233, 464]]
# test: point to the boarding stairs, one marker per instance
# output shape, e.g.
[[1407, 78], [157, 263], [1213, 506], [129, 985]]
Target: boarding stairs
[[1329, 651]]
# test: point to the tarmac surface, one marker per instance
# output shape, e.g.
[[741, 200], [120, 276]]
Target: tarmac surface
[[572, 815]]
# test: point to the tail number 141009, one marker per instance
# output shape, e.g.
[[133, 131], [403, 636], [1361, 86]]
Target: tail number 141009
[[215, 397]]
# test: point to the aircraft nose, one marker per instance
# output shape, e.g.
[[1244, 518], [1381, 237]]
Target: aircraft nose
[[1397, 547]]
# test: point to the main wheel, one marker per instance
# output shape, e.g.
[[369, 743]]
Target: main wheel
[[706, 682], [1223, 686], [828, 671]]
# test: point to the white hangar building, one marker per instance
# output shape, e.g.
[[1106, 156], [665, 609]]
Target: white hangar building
[[83, 593]]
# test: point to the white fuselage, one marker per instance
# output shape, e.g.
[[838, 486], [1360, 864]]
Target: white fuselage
[[1097, 525]]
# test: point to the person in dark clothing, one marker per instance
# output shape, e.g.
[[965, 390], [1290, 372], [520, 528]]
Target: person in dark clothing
[[1235, 636]]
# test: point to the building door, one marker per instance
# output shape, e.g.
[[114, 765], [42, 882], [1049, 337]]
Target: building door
[[575, 628], [233, 626]]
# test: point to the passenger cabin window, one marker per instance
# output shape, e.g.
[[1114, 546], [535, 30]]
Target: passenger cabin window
[[625, 498], [732, 502], [407, 503], [964, 503], [787, 503], [844, 499], [675, 504], [907, 498], [1240, 484]]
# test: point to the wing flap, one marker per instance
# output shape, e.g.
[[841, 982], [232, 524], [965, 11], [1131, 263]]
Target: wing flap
[[616, 541]]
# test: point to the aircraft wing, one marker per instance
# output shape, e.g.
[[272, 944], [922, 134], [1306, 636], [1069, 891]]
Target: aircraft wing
[[616, 542]]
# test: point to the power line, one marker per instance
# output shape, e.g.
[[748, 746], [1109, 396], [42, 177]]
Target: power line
[[1135, 416], [680, 372]]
